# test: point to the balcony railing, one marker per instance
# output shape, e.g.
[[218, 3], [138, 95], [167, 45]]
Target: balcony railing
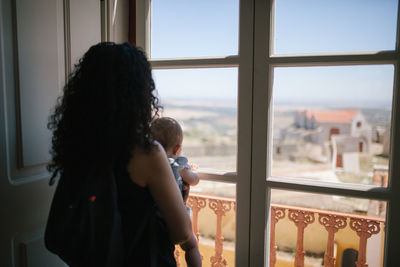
[[332, 222]]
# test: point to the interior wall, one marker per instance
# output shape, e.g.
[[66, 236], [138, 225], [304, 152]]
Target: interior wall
[[40, 41]]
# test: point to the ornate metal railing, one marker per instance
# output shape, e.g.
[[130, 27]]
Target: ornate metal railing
[[333, 222], [363, 226]]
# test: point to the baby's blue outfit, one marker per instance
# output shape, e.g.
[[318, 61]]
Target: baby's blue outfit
[[178, 164]]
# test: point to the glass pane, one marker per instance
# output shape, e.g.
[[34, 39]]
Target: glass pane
[[181, 28], [214, 221], [330, 26], [218, 189], [333, 123], [325, 228], [203, 101]]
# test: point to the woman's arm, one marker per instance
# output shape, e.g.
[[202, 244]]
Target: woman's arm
[[152, 170], [192, 253]]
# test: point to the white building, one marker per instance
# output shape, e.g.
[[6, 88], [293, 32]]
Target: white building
[[350, 129]]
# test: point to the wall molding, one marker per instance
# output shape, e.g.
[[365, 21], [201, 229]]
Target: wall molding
[[17, 172], [17, 100], [28, 249]]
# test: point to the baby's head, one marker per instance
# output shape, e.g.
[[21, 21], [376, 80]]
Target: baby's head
[[168, 132]]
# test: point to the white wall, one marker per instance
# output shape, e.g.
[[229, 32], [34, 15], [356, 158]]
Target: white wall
[[37, 44]]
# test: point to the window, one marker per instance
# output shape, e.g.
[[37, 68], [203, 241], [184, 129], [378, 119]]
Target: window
[[193, 47], [300, 91]]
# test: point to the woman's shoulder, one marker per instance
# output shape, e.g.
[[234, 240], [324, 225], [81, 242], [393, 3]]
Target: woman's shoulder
[[154, 152], [145, 161]]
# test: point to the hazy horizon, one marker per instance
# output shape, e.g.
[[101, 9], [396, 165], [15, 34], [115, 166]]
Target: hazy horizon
[[210, 28], [283, 102]]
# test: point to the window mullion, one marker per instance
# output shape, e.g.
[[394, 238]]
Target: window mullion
[[244, 159], [385, 57], [321, 187], [392, 229], [218, 177], [392, 243], [261, 112], [215, 62]]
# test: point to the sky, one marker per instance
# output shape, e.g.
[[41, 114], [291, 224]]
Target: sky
[[192, 28]]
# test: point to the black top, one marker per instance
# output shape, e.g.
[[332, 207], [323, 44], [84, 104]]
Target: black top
[[148, 232]]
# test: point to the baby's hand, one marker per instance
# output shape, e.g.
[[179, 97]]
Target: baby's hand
[[193, 167]]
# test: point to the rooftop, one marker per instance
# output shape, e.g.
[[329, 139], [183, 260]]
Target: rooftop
[[343, 115]]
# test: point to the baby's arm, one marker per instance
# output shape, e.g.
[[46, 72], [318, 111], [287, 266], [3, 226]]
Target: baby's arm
[[191, 178], [192, 254]]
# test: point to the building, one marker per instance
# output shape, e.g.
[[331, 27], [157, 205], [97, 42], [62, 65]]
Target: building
[[337, 122], [343, 132]]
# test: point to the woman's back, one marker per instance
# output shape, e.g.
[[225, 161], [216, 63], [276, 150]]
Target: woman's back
[[140, 225]]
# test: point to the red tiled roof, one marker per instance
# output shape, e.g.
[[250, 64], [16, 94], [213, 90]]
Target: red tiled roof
[[343, 116]]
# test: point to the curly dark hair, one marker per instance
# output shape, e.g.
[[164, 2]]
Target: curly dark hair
[[105, 111]]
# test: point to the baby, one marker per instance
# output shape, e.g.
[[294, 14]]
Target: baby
[[168, 132]]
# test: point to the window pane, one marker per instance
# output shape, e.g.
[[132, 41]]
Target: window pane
[[332, 229], [203, 101], [218, 189], [316, 26], [181, 28], [214, 221], [333, 123]]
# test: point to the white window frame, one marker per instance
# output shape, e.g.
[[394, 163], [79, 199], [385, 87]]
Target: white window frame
[[264, 62], [255, 64], [244, 62]]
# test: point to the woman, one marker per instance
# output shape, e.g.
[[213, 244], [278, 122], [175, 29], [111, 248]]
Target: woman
[[103, 121]]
